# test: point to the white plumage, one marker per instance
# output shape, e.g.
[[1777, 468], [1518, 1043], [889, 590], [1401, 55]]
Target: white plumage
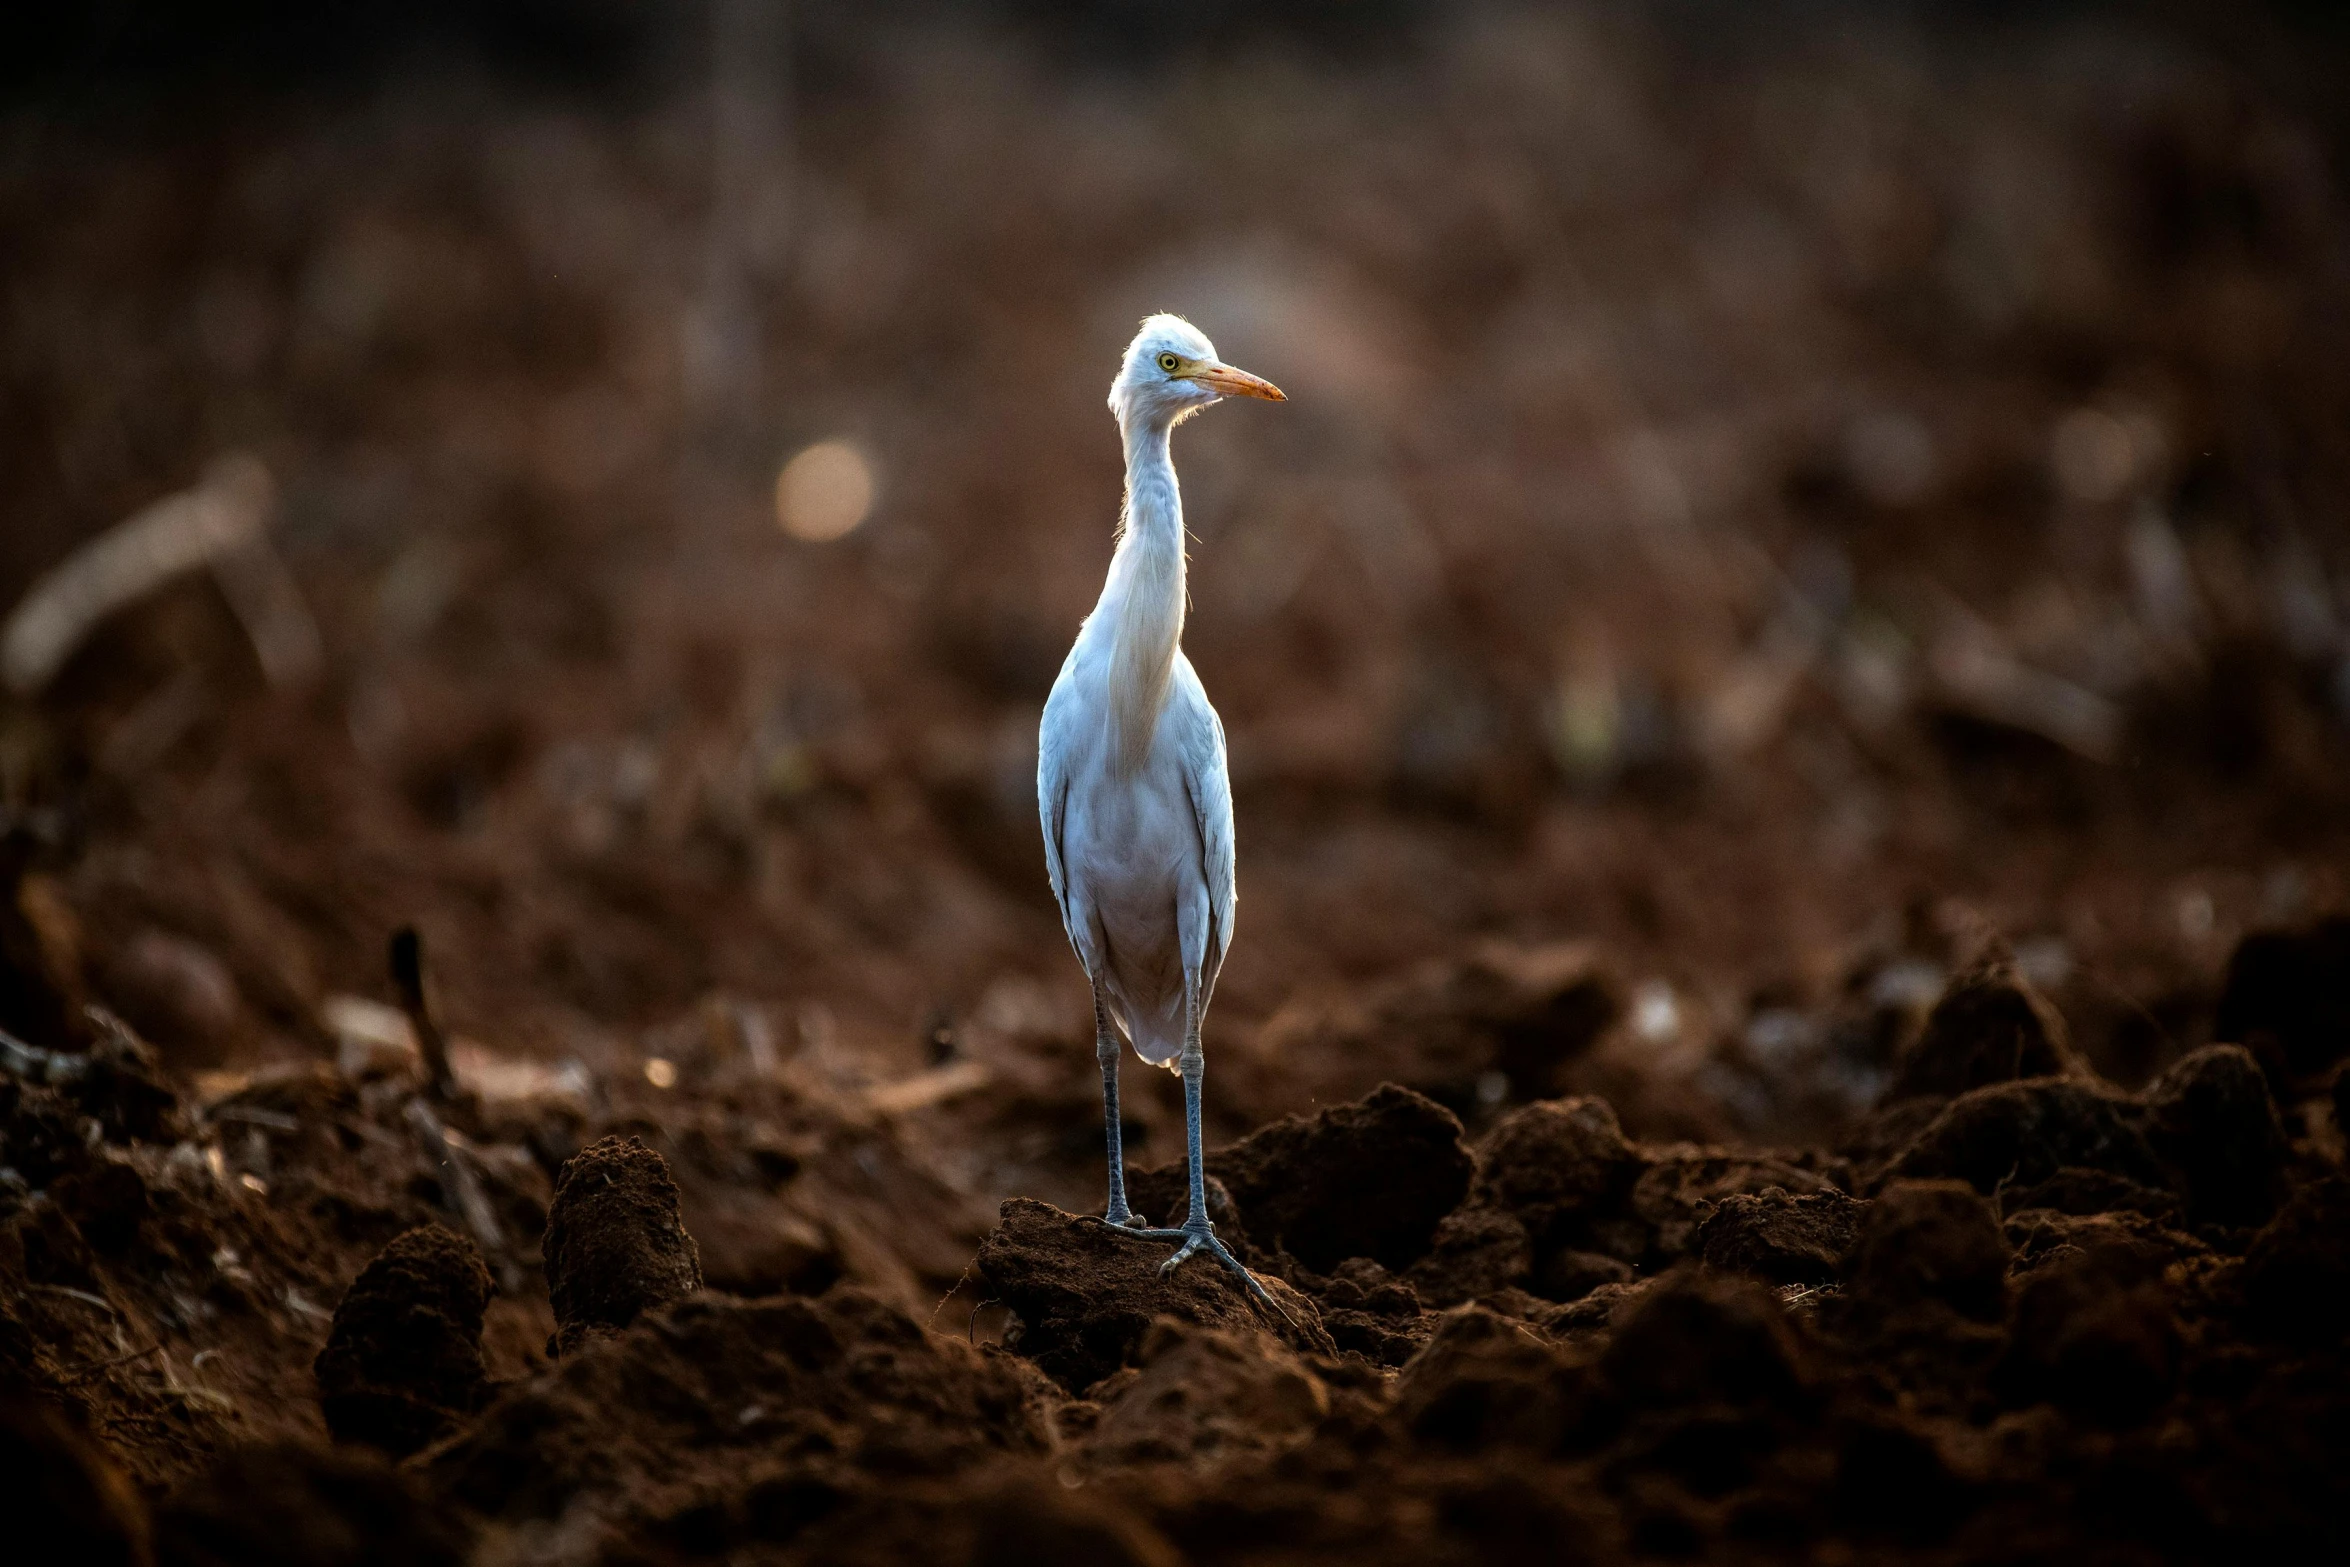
[[1132, 787]]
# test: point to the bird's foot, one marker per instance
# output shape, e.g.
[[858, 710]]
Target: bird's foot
[[1124, 1218], [1195, 1239]]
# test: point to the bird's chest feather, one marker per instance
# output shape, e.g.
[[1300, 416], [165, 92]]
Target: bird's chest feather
[[1131, 831]]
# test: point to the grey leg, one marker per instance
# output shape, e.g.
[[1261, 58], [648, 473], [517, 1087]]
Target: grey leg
[[1198, 1234], [1106, 1050]]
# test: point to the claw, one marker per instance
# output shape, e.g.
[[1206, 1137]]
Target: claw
[[1192, 1242], [1190, 1245]]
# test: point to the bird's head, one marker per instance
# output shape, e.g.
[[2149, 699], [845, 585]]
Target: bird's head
[[1171, 372]]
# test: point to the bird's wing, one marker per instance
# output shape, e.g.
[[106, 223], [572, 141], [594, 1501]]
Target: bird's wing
[[1208, 778], [1053, 748]]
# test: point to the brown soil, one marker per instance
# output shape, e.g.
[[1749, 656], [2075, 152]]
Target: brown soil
[[1788, 666]]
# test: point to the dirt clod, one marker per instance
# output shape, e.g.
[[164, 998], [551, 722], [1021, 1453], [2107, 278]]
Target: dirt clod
[[1990, 1026], [1705, 1340], [2079, 1192], [1485, 1382], [402, 1363], [615, 1245], [1786, 1240], [1679, 1186], [1929, 1241], [1201, 1395], [1365, 1179], [2093, 1333], [2210, 1117], [1001, 1520], [125, 1086], [2025, 1132], [1557, 1165], [1478, 1250], [2287, 995], [1369, 1312]]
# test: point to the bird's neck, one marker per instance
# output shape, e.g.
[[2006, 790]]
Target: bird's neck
[[1142, 603]]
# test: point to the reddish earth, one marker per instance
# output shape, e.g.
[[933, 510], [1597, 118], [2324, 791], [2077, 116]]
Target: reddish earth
[[1789, 676]]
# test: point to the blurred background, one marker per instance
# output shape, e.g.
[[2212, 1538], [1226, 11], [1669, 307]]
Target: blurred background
[[1768, 503]]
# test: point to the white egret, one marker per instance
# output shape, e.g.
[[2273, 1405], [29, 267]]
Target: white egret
[[1131, 781]]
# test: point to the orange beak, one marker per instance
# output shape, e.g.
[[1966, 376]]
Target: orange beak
[[1237, 383]]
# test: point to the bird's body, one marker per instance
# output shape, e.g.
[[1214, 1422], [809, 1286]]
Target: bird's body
[[1149, 898], [1132, 787]]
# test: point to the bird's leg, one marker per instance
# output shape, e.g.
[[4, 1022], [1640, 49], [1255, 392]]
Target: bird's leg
[[1198, 1234], [1106, 1050]]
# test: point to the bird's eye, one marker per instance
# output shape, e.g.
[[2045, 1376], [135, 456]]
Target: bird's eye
[[1169, 363]]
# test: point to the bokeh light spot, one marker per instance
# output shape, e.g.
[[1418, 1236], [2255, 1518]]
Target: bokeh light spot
[[823, 493]]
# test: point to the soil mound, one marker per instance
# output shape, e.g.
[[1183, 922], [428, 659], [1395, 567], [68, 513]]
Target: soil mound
[[1082, 1296], [1558, 1167], [295, 1505], [716, 1422]]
